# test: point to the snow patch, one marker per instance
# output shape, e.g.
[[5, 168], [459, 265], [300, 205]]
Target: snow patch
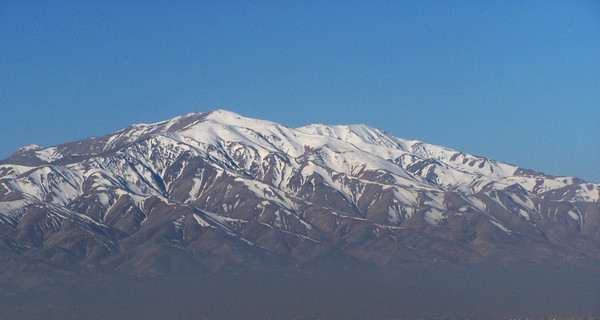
[[48, 154], [501, 226], [433, 216], [573, 215], [13, 208], [202, 222]]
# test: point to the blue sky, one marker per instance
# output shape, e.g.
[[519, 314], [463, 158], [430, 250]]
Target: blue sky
[[515, 81]]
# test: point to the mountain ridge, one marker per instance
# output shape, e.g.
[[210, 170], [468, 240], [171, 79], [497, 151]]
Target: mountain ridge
[[218, 190]]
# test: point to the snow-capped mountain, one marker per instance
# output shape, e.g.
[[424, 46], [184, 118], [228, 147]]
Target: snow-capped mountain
[[208, 191]]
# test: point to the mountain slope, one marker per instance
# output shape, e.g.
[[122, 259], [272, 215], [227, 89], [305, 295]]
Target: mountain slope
[[213, 191]]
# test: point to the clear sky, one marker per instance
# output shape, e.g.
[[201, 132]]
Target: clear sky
[[515, 81]]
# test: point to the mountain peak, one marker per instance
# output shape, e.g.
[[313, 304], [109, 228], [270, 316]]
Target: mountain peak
[[30, 147], [234, 119]]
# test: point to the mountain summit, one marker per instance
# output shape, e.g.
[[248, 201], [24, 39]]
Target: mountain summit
[[217, 191]]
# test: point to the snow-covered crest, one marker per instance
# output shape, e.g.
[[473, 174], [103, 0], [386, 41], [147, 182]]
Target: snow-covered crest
[[344, 149]]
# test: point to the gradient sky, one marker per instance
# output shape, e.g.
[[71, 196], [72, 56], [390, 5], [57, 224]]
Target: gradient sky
[[515, 81]]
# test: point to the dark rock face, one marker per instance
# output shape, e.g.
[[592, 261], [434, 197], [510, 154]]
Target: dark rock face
[[215, 191]]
